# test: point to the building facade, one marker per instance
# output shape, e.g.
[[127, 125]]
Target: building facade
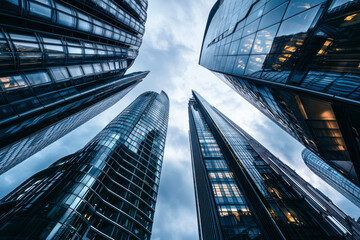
[[242, 192], [62, 63], [107, 190], [332, 177], [297, 62]]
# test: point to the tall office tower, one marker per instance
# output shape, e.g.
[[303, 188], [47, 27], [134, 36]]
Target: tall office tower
[[107, 190], [298, 63], [243, 193], [61, 63], [332, 177]]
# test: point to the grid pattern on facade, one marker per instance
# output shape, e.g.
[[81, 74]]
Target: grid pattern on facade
[[107, 190], [232, 208], [293, 215], [54, 54], [332, 177], [282, 56]]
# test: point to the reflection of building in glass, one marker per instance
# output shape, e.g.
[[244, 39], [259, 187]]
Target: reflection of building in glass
[[107, 190], [298, 62], [62, 63], [332, 177], [244, 192]]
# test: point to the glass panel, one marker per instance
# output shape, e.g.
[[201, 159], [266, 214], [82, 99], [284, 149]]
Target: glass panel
[[22, 37], [255, 64], [54, 48], [59, 73], [73, 50], [40, 10], [38, 78], [88, 69], [52, 40], [297, 6], [298, 24], [75, 71], [252, 27], [13, 82], [264, 40], [65, 19], [273, 17], [240, 65], [27, 47], [83, 25], [246, 44], [105, 67], [97, 67]]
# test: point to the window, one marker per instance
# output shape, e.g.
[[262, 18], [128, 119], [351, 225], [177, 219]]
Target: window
[[75, 71], [297, 6], [299, 23], [59, 73], [88, 70], [13, 82], [273, 17], [38, 78], [264, 40], [40, 10], [53, 48]]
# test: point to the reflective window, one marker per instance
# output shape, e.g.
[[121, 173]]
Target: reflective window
[[75, 71], [273, 17], [38, 78], [40, 10], [297, 6], [252, 27], [240, 65], [246, 44], [255, 64], [298, 24], [264, 39], [97, 67], [53, 48], [12, 82], [88, 70], [59, 73], [27, 47]]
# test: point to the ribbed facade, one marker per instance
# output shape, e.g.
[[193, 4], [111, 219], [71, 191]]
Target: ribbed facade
[[107, 190], [248, 197], [332, 177], [59, 58], [297, 62]]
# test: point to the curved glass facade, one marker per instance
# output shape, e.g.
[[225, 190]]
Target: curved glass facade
[[53, 58], [298, 62], [253, 200], [107, 190], [332, 177]]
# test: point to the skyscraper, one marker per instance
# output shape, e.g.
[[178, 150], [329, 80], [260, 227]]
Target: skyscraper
[[297, 62], [244, 192], [107, 190], [62, 63], [332, 177]]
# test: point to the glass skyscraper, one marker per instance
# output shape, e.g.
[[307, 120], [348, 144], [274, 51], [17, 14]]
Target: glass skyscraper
[[62, 63], [297, 62], [244, 192], [332, 177], [107, 190]]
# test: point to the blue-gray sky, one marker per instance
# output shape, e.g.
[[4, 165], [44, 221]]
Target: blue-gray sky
[[170, 50]]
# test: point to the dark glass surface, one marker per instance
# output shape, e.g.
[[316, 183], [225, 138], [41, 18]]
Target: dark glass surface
[[107, 190], [292, 214], [303, 57], [50, 53]]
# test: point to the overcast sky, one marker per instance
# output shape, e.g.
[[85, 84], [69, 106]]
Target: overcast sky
[[170, 50]]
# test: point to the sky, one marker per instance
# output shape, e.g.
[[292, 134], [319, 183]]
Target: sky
[[170, 51]]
